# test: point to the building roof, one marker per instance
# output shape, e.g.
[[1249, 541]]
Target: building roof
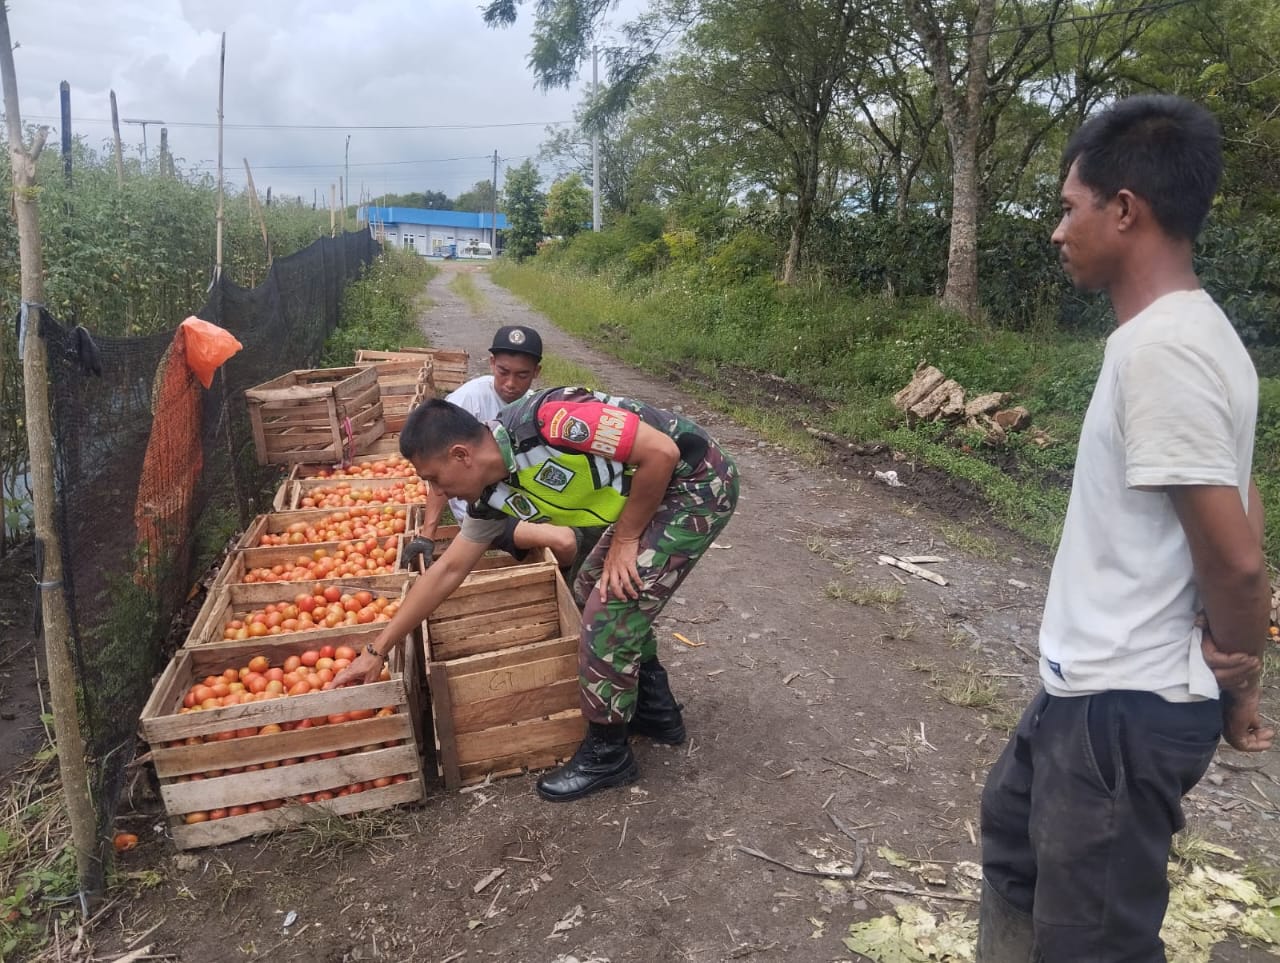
[[417, 215]]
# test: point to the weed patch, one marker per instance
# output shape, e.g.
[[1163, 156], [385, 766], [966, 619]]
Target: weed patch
[[882, 597]]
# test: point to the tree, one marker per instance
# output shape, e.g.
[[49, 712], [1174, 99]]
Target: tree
[[961, 93], [568, 207], [523, 203], [773, 72], [478, 199], [436, 201]]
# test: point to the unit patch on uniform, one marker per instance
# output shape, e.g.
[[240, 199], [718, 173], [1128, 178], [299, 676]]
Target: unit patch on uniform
[[521, 506], [554, 476], [575, 430], [608, 434]]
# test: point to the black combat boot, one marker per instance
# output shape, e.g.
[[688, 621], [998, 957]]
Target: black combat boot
[[603, 760], [657, 712]]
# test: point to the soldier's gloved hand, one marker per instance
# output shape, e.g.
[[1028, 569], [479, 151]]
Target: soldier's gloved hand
[[418, 549]]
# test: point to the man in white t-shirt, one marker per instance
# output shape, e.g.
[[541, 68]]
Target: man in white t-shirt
[[1163, 532], [515, 359]]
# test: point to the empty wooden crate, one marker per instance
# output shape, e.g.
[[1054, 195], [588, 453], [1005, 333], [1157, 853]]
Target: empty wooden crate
[[317, 415], [448, 366], [502, 672]]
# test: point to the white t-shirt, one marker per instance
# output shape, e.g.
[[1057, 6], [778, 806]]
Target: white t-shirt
[[1175, 404], [478, 397]]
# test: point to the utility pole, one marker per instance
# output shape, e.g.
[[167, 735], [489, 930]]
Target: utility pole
[[64, 93], [222, 73], [595, 148], [346, 177], [55, 617], [137, 120], [164, 151], [493, 225]]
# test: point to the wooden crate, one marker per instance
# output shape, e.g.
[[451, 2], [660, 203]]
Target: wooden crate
[[302, 487], [233, 600], [404, 385], [448, 366], [276, 523], [316, 415], [502, 673], [375, 454], [398, 739], [241, 561]]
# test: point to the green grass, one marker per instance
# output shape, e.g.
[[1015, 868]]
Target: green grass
[[464, 286], [380, 311], [966, 539], [882, 597], [854, 352], [561, 371]]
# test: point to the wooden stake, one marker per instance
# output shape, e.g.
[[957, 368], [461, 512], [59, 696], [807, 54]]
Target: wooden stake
[[915, 570], [257, 209], [115, 130], [333, 200], [53, 600], [222, 73], [64, 96]]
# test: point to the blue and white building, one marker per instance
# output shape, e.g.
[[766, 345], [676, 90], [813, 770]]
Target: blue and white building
[[435, 233]]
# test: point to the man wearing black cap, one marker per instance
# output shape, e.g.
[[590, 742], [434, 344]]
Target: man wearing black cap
[[514, 362]]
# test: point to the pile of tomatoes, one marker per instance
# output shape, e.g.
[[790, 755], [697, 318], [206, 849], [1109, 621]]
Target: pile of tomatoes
[[393, 466], [357, 557], [259, 680], [347, 495], [324, 607], [378, 521]]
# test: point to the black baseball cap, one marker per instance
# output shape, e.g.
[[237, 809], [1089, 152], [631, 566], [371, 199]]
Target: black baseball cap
[[517, 339]]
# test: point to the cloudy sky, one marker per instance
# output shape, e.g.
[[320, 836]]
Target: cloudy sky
[[348, 66]]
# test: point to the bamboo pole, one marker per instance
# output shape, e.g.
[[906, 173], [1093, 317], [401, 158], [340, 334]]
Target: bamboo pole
[[53, 600], [333, 200], [257, 209], [222, 72]]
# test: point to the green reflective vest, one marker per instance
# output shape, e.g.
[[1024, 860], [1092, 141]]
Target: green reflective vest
[[553, 485]]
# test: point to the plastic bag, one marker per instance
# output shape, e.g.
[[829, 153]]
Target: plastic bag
[[208, 346]]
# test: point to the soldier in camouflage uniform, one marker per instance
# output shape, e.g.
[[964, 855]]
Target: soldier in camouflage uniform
[[659, 484]]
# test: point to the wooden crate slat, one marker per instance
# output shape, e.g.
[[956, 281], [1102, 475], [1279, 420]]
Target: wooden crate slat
[[178, 726], [221, 831], [255, 750], [442, 720], [550, 697], [514, 656], [518, 764], [520, 738], [519, 633], [528, 583], [244, 788]]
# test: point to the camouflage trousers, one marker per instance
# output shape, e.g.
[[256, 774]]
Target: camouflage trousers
[[617, 635]]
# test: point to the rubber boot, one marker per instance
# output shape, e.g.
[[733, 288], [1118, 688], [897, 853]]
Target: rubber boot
[[657, 713], [603, 760], [1005, 933]]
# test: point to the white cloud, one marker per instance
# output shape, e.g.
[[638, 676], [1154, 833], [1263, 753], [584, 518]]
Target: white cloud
[[405, 62]]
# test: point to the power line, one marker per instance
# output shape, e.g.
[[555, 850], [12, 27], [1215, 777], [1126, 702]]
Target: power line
[[324, 127], [425, 160]]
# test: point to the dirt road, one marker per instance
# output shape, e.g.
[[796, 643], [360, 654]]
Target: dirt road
[[818, 685]]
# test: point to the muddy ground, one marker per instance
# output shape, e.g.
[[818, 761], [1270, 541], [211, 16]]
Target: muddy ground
[[818, 685]]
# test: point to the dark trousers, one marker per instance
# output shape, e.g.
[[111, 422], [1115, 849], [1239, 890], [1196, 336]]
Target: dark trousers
[[1078, 814]]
